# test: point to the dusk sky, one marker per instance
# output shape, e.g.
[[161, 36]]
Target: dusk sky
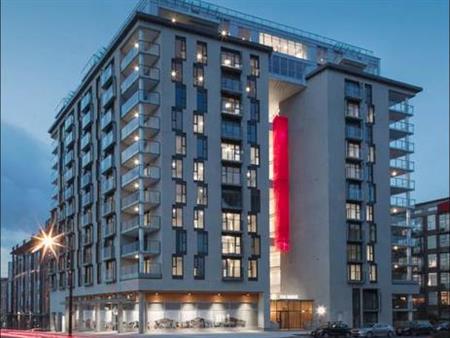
[[45, 45]]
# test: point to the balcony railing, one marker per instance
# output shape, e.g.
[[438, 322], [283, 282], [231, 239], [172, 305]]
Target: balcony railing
[[402, 202], [148, 271], [150, 172], [86, 199], [108, 207], [353, 133], [86, 179], [86, 219], [402, 164], [85, 101], [108, 184], [402, 145], [402, 107], [151, 148], [108, 140], [109, 228], [231, 60], [152, 197], [87, 119], [68, 123], [353, 92], [231, 107], [69, 174], [108, 96], [403, 241], [152, 223], [144, 72], [106, 163], [86, 159], [140, 47], [151, 122], [354, 195], [402, 183], [152, 247], [402, 126], [106, 119], [231, 85], [106, 75], [140, 96], [109, 252], [85, 140]]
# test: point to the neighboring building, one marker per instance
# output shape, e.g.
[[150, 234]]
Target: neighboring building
[[4, 309], [28, 283], [162, 161], [431, 258]]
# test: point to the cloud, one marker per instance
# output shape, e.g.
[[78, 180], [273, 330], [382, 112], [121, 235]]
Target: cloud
[[25, 187]]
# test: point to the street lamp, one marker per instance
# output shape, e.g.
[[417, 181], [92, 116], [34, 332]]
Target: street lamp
[[321, 311]]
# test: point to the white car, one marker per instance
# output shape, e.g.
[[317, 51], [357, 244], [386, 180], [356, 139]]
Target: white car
[[374, 330]]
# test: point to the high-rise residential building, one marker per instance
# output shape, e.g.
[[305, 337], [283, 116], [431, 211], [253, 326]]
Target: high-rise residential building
[[28, 303], [214, 169], [431, 259], [4, 308]]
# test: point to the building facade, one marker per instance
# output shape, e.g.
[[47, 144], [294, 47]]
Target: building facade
[[189, 164], [28, 305], [4, 307], [431, 257]]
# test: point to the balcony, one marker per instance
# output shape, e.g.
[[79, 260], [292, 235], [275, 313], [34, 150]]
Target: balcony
[[69, 139], [87, 120], [107, 163], [132, 271], [109, 228], [86, 159], [402, 262], [86, 199], [54, 146], [108, 96], [354, 195], [86, 219], [68, 158], [68, 123], [109, 252], [400, 129], [87, 239], [399, 204], [231, 133], [403, 241], [401, 185], [85, 141], [400, 148], [354, 174], [108, 140], [150, 100], [151, 248], [150, 199], [68, 192], [108, 208], [150, 75], [354, 155], [353, 92], [148, 174], [85, 101], [148, 224], [231, 86], [400, 166], [231, 61], [353, 133], [149, 49], [108, 184], [232, 107], [107, 75], [151, 125], [399, 111], [150, 150], [106, 119], [110, 275], [86, 179], [69, 174]]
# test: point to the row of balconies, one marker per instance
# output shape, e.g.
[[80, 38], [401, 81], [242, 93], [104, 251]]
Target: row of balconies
[[149, 247], [132, 271]]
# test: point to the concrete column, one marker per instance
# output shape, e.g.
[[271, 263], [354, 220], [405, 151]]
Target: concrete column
[[142, 313], [97, 317], [119, 317], [263, 311]]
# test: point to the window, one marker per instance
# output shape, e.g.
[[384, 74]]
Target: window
[[251, 178], [88, 275], [231, 245], [180, 48], [354, 272], [445, 280], [199, 171], [445, 298], [254, 155], [432, 279], [180, 96], [180, 242], [353, 171], [369, 172], [177, 120], [202, 53], [231, 199], [352, 109], [231, 105], [372, 233], [371, 154], [252, 223], [370, 253], [353, 150], [352, 89], [371, 114], [444, 261], [251, 132], [354, 252], [373, 273], [431, 242], [202, 100], [231, 152], [369, 134], [202, 147], [231, 221], [202, 242], [255, 246], [368, 93], [431, 222], [177, 168], [369, 213], [254, 65], [254, 110], [372, 192], [202, 195], [251, 87], [353, 211], [432, 298], [180, 144], [199, 126], [285, 46], [177, 71], [231, 59], [444, 222], [177, 266], [199, 75], [354, 232], [252, 269], [180, 192], [177, 217], [199, 218], [231, 129], [231, 268], [231, 175], [432, 260], [354, 191], [199, 267]]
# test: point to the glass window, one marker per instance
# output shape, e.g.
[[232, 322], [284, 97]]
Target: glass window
[[251, 178], [231, 221], [373, 273], [202, 195], [444, 261], [180, 144], [372, 232], [231, 198], [251, 87], [432, 260], [199, 218], [445, 280], [231, 105], [177, 168], [253, 269], [353, 150], [352, 109], [254, 155], [231, 152], [202, 53], [251, 132], [177, 120], [445, 298], [231, 268], [199, 171], [202, 100], [444, 240], [368, 92], [354, 232], [369, 213], [180, 242], [231, 175], [432, 279], [444, 222], [431, 222], [432, 298], [354, 252], [254, 110], [231, 245], [177, 71], [252, 223], [199, 267], [370, 253], [254, 65], [180, 48], [180, 96], [371, 155], [353, 211], [199, 75], [180, 192], [371, 114], [199, 126], [255, 246], [177, 266], [202, 147], [431, 242], [354, 272], [202, 242], [177, 217], [353, 171]]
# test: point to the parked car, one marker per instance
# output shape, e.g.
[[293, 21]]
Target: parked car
[[416, 328], [442, 326], [374, 330], [335, 329]]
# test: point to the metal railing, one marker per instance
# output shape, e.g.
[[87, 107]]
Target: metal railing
[[403, 183], [140, 146], [141, 171], [152, 122], [402, 126], [403, 164], [402, 145], [141, 96], [402, 107], [145, 72], [402, 202]]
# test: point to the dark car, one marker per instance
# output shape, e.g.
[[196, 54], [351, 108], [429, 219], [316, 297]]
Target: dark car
[[335, 329], [443, 326], [416, 329]]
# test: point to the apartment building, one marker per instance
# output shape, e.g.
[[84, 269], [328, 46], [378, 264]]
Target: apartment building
[[4, 302], [190, 163], [28, 294], [431, 257]]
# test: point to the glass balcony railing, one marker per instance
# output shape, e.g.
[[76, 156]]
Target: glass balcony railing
[[152, 247], [353, 133], [85, 140], [403, 241], [86, 119], [148, 223], [109, 252], [231, 60], [140, 47], [402, 107], [68, 123], [150, 172], [402, 164], [402, 202], [69, 139], [86, 159], [354, 195], [109, 228], [85, 101], [152, 270], [353, 91], [106, 119], [152, 122], [86, 199], [402, 145], [108, 207], [141, 96], [402, 183], [86, 219], [107, 163], [144, 72], [130, 248], [151, 148], [402, 126], [108, 96], [149, 196], [231, 85], [108, 140], [108, 184], [106, 76]]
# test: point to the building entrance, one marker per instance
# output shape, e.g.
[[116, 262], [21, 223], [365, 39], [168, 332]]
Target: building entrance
[[292, 314]]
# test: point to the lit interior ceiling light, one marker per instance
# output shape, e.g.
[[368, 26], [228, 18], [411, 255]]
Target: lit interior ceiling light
[[394, 173], [228, 105], [136, 114], [247, 89], [137, 256], [227, 62], [174, 20], [223, 32], [136, 45], [136, 209], [321, 310], [173, 73], [200, 78], [136, 68], [136, 161], [136, 138], [136, 185], [199, 56]]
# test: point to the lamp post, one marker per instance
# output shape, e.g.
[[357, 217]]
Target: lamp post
[[321, 311]]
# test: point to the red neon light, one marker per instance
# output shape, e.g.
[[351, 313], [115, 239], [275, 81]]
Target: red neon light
[[281, 182], [444, 207]]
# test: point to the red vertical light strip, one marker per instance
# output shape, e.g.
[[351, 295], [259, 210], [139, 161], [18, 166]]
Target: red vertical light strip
[[281, 182]]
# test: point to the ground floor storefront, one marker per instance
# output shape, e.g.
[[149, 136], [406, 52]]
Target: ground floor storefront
[[148, 312], [292, 314]]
